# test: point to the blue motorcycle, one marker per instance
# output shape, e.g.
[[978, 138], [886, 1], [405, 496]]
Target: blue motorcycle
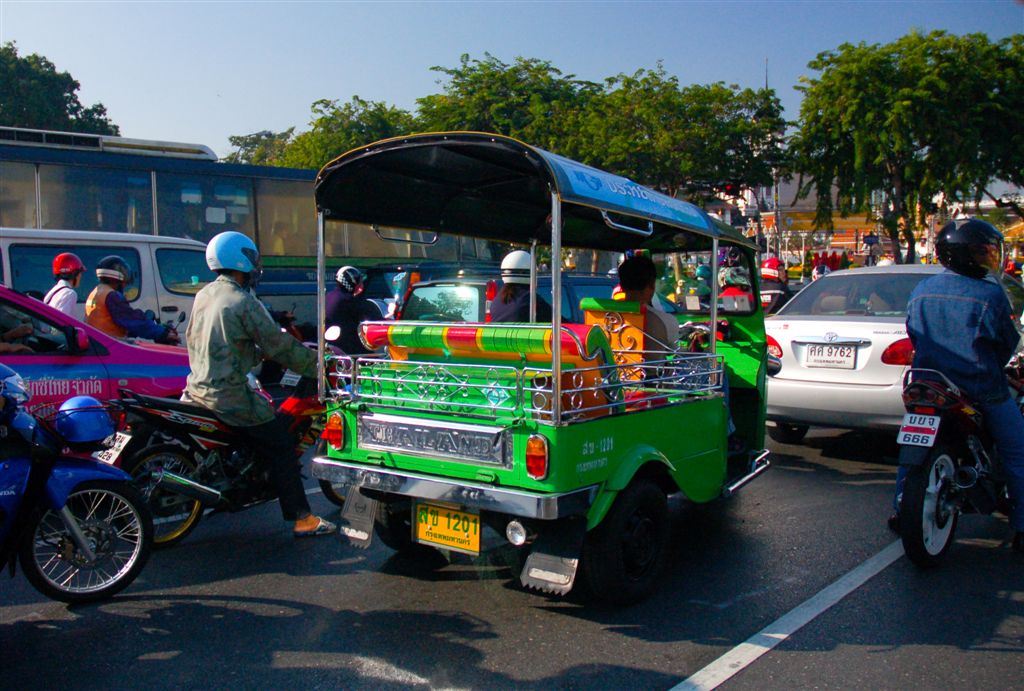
[[79, 529]]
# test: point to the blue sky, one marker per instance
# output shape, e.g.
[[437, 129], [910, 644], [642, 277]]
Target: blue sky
[[201, 71]]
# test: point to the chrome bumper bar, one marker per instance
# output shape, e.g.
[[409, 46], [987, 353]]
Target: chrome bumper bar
[[478, 496]]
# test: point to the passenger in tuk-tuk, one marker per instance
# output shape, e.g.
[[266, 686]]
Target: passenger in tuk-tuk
[[637, 276], [513, 302]]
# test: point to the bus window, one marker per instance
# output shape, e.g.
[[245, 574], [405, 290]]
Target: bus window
[[81, 198], [183, 271], [17, 195], [32, 268], [287, 218], [200, 206]]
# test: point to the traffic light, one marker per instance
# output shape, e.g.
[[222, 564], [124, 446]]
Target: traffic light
[[731, 189]]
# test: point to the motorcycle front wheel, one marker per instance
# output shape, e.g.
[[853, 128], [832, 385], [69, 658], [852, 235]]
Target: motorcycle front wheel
[[116, 525], [174, 515], [928, 512]]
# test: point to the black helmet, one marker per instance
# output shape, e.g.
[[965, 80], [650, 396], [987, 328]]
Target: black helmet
[[350, 279], [963, 247], [114, 268]]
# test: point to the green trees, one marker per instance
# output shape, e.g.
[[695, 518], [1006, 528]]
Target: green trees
[[925, 115], [338, 127], [34, 94], [681, 140], [259, 148], [693, 140]]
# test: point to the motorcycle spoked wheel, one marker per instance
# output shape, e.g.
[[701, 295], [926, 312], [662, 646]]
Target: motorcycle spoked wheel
[[118, 527], [929, 512], [174, 515]]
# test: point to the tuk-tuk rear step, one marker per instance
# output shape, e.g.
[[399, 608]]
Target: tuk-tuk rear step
[[758, 465]]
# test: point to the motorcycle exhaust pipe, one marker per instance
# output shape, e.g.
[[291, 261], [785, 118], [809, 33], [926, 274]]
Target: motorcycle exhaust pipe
[[965, 477], [171, 482]]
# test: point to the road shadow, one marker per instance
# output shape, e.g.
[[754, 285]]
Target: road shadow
[[220, 642]]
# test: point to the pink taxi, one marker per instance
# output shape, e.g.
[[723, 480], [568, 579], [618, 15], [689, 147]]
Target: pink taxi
[[65, 357]]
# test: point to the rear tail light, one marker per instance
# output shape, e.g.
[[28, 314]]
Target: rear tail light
[[537, 457], [334, 431], [492, 292], [774, 349], [899, 352]]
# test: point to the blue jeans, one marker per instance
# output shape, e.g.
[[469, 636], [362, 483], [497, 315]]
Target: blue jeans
[[1006, 425]]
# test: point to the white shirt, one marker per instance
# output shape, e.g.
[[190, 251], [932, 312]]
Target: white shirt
[[64, 298]]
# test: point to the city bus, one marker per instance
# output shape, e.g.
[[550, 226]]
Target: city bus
[[69, 181]]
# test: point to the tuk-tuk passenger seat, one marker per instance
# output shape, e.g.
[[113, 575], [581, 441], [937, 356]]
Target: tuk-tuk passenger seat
[[623, 323]]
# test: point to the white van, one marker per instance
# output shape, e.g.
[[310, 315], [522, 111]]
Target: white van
[[168, 272]]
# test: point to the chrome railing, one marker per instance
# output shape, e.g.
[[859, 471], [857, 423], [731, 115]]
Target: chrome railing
[[509, 392]]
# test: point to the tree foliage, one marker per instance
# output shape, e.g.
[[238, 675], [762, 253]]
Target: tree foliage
[[696, 139], [925, 115], [339, 127], [34, 94], [259, 148], [530, 99]]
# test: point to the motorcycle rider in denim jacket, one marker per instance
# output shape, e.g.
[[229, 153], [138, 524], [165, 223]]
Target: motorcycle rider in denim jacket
[[959, 322]]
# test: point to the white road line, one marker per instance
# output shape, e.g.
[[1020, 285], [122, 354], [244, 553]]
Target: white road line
[[722, 669]]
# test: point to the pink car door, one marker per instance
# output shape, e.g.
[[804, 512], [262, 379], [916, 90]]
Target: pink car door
[[42, 345]]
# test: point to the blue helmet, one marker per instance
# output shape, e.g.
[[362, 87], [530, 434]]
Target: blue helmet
[[12, 385], [232, 250], [83, 419]]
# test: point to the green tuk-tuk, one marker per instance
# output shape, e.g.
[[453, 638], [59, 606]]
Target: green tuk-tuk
[[566, 446]]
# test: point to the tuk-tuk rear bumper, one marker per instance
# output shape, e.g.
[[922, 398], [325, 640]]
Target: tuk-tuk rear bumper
[[546, 507]]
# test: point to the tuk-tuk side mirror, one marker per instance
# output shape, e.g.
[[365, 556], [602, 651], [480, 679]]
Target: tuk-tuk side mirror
[[773, 366]]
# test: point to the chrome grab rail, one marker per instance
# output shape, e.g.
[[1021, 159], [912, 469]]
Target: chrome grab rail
[[521, 390]]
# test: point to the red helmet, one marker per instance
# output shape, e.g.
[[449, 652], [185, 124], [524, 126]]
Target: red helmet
[[67, 265], [772, 269]]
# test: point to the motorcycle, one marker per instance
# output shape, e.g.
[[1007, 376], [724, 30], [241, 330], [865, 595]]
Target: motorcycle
[[77, 526], [171, 337], [952, 467], [190, 461]]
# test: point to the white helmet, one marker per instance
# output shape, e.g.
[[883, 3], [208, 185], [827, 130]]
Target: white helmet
[[515, 267]]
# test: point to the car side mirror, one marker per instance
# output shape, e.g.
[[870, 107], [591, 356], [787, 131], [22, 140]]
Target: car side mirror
[[78, 340], [773, 366], [181, 317]]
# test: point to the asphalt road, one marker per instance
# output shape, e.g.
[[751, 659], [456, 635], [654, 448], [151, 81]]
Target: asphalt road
[[241, 604]]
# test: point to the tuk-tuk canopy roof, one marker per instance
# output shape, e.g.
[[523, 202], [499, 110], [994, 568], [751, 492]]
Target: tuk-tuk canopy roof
[[495, 187]]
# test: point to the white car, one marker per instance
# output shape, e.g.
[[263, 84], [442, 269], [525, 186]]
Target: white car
[[844, 348]]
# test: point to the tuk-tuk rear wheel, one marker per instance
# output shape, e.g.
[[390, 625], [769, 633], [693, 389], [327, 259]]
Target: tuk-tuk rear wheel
[[623, 557]]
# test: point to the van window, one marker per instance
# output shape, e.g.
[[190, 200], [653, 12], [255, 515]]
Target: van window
[[17, 195], [183, 271], [93, 198], [32, 268], [200, 206]]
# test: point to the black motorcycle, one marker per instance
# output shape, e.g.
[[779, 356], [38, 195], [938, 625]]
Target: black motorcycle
[[185, 460], [952, 464]]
